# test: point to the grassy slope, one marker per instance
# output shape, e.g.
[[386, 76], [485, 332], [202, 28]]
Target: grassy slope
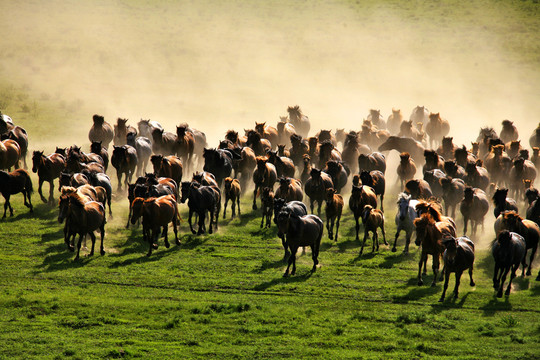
[[223, 295]]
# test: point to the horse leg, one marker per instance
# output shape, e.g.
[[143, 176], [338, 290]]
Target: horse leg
[[293, 272], [225, 208], [102, 235], [201, 223], [470, 276], [78, 246], [384, 235], [357, 227], [423, 257], [311, 203], [435, 268], [7, 204], [382, 207], [93, 238], [465, 220], [238, 205], [533, 252], [375, 240], [503, 278], [291, 259], [319, 208], [458, 279], [254, 206], [446, 279], [233, 209], [165, 231], [496, 276], [337, 227], [210, 229], [425, 266], [190, 223], [512, 276], [40, 190], [119, 177], [394, 249], [263, 217], [51, 192], [364, 242], [329, 228]]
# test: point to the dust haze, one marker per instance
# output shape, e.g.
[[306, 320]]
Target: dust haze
[[220, 65]]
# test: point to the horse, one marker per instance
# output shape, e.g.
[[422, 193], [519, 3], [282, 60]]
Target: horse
[[338, 172], [372, 219], [10, 153], [405, 144], [508, 132], [508, 251], [101, 131], [306, 170], [373, 161], [420, 114], [314, 146], [267, 132], [204, 178], [407, 129], [202, 199], [476, 176], [124, 160], [299, 120], [328, 152], [502, 202], [458, 256], [352, 150], [265, 175], [48, 168], [462, 156], [83, 217], [334, 208], [156, 213], [375, 179], [394, 121], [6, 123], [143, 146], [259, 145], [452, 169], [95, 179], [282, 151], [436, 128], [147, 126], [514, 149], [432, 161], [69, 179], [163, 142], [232, 192], [122, 131], [433, 178], [447, 148], [284, 165], [299, 231], [218, 162], [452, 193], [534, 140], [299, 148], [360, 197], [97, 149], [404, 219], [168, 166], [233, 137], [17, 181], [19, 135], [528, 229], [285, 130], [495, 162], [419, 189], [474, 207], [289, 189], [406, 168], [185, 145], [376, 118], [244, 167], [316, 186], [267, 205], [521, 171], [429, 234]]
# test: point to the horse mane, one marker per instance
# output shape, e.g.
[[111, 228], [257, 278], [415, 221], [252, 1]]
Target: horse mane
[[403, 196], [77, 200]]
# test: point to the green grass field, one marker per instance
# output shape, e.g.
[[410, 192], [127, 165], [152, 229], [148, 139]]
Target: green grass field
[[223, 295]]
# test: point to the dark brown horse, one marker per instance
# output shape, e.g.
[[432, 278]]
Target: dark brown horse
[[372, 219], [48, 168], [265, 175], [289, 189], [405, 144], [267, 132], [168, 166], [19, 135], [360, 197], [508, 251], [185, 145], [267, 205], [232, 192], [528, 229], [163, 142], [97, 149], [334, 208], [375, 179], [101, 131], [316, 187], [202, 200], [474, 207], [406, 169], [15, 182], [373, 161], [458, 256], [156, 213], [124, 160]]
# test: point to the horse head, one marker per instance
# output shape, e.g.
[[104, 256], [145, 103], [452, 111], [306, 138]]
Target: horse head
[[98, 120], [36, 160]]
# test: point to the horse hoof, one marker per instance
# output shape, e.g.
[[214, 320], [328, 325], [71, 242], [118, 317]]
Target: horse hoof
[[167, 245], [472, 283], [499, 294], [441, 299], [254, 207], [529, 273], [178, 242], [394, 250], [420, 283], [285, 275], [102, 252], [193, 232]]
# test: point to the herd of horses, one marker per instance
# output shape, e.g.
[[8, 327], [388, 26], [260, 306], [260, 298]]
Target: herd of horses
[[286, 166]]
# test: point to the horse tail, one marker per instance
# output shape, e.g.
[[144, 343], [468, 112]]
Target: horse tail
[[28, 184]]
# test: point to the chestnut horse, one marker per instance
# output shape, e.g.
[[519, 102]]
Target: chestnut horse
[[48, 168], [13, 183]]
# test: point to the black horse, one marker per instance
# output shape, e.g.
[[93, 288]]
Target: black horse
[[201, 199], [124, 159], [13, 183], [219, 162], [508, 251]]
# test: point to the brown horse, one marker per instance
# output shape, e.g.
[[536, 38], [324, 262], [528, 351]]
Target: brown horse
[[121, 130], [334, 208], [316, 186], [10, 153], [419, 189], [436, 128], [268, 132], [284, 165], [289, 189], [232, 192], [447, 148], [259, 145], [97, 149], [521, 171], [474, 207], [19, 135], [265, 175], [156, 213], [373, 161], [101, 131], [328, 152], [168, 166], [124, 160], [15, 182], [267, 205], [299, 120], [433, 161], [299, 148], [285, 130], [306, 169], [83, 217], [458, 257], [360, 197], [429, 234], [185, 145], [163, 142], [48, 168], [394, 121], [375, 179], [406, 169], [244, 167], [405, 144], [453, 190], [508, 132], [372, 219]]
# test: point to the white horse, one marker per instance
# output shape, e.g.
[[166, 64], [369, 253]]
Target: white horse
[[404, 219]]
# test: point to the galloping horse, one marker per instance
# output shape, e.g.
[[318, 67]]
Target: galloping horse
[[13, 183], [48, 168]]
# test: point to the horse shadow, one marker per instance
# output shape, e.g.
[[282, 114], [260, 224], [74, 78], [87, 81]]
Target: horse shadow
[[59, 259], [283, 280], [495, 305], [450, 303], [365, 256], [417, 293], [265, 233], [267, 264], [190, 241], [157, 255], [393, 259]]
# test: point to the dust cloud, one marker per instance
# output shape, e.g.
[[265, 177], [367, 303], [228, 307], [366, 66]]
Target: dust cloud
[[220, 65]]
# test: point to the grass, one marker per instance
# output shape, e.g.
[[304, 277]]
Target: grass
[[223, 295]]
